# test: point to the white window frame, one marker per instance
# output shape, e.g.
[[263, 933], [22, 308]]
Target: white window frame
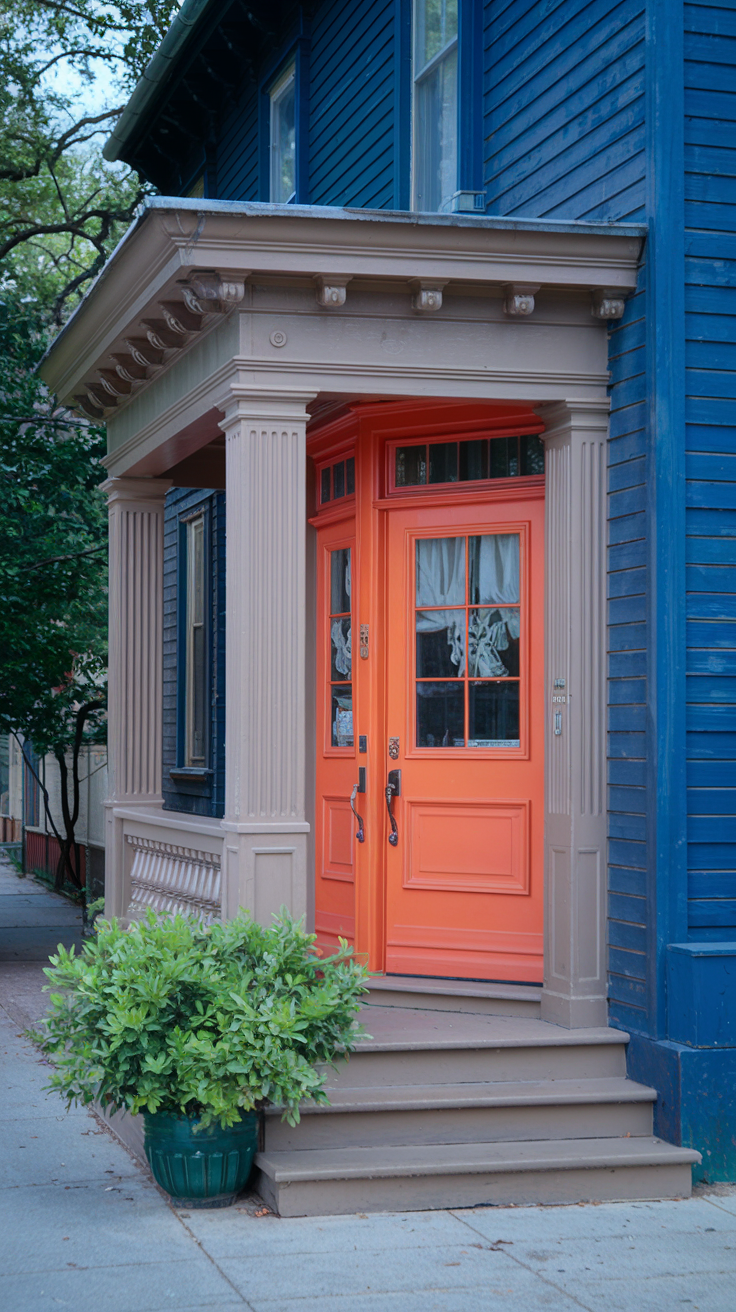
[[275, 99], [420, 75]]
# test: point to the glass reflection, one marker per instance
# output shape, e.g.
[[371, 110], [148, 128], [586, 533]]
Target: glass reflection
[[494, 569], [340, 583], [494, 715], [440, 715]]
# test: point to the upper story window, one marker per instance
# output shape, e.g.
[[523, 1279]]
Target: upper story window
[[283, 137], [435, 110], [195, 696]]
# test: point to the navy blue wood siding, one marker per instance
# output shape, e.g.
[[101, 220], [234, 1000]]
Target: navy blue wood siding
[[710, 217], [236, 167], [351, 99], [182, 502], [564, 108]]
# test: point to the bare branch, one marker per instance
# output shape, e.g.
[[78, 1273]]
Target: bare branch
[[53, 560]]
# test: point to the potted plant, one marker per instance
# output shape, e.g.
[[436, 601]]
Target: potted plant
[[197, 1028]]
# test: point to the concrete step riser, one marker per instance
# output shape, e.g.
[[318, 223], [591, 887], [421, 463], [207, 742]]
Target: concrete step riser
[[415, 1193], [468, 1006], [463, 1065], [466, 1125]]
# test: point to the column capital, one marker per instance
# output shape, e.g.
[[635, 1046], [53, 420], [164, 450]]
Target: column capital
[[570, 415], [135, 491], [285, 405]]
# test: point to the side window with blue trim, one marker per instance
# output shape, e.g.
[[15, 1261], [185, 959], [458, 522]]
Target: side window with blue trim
[[194, 651]]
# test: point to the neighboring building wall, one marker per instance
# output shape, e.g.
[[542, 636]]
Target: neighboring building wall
[[180, 796], [564, 109], [41, 847], [710, 219], [351, 110]]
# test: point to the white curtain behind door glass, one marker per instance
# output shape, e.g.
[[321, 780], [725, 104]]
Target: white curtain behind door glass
[[441, 582], [494, 579]]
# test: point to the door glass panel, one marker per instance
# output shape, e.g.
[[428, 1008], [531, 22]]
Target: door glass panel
[[440, 644], [494, 569], [340, 649], [440, 715], [440, 572], [340, 580], [494, 714], [468, 642]]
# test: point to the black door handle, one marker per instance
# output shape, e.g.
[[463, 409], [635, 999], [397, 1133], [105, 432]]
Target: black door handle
[[393, 789], [360, 835]]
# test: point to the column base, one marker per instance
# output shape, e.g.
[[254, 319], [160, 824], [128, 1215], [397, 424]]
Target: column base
[[573, 1013], [265, 869]]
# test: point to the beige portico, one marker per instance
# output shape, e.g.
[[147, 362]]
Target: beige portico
[[219, 325]]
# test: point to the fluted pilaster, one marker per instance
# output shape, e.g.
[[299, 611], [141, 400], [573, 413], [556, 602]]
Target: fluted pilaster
[[265, 653], [575, 676]]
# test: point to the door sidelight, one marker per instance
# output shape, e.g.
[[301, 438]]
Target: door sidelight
[[358, 788], [393, 789]]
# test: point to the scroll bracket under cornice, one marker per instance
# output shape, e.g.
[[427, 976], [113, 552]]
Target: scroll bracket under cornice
[[331, 290], [519, 299], [607, 303]]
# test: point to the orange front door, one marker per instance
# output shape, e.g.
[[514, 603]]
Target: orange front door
[[464, 726]]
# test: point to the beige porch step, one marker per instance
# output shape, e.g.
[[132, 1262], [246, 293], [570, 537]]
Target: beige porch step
[[455, 995], [467, 1113], [342, 1180]]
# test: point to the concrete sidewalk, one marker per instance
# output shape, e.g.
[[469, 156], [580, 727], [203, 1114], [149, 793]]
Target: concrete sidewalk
[[83, 1226]]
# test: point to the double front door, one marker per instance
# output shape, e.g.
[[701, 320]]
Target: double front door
[[429, 779]]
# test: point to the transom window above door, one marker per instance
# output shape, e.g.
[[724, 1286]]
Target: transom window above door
[[468, 626], [465, 461]]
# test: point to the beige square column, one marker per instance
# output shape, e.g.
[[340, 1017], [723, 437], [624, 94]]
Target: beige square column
[[135, 673], [574, 992], [265, 858]]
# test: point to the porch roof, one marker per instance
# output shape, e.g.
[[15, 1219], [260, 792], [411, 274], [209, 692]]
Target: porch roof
[[149, 275]]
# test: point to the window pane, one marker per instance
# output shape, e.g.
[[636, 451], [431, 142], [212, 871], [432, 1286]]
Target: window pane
[[440, 644], [494, 715], [494, 569], [504, 457], [340, 581], [440, 572], [324, 486], [350, 476], [532, 455], [198, 697], [435, 25], [435, 135], [440, 715], [197, 571], [283, 141], [342, 715], [338, 479], [195, 696], [473, 460], [340, 649], [411, 465], [443, 462], [493, 643]]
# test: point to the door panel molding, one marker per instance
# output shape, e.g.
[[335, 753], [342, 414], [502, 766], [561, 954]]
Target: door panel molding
[[430, 856]]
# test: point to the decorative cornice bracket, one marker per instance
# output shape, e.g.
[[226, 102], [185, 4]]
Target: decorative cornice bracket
[[519, 299], [331, 291], [607, 303], [427, 294]]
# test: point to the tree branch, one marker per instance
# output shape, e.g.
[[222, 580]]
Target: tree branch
[[53, 560]]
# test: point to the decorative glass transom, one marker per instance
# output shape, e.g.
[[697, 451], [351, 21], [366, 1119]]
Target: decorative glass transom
[[468, 461], [468, 632], [336, 481], [341, 657]]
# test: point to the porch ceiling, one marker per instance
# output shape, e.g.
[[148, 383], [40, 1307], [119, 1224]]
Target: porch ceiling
[[184, 264]]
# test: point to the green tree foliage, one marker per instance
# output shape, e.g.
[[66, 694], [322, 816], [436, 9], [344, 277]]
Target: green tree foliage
[[169, 1016], [62, 209], [53, 617]]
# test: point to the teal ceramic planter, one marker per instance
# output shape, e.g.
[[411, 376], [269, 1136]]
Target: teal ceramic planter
[[206, 1169]]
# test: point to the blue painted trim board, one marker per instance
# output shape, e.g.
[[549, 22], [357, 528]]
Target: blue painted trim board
[[665, 493], [402, 104]]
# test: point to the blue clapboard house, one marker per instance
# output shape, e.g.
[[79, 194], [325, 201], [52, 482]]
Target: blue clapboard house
[[444, 224]]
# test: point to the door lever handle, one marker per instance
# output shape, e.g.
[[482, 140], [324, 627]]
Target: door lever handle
[[360, 835], [393, 789]]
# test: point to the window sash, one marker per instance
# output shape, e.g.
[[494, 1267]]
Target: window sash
[[283, 137], [195, 694]]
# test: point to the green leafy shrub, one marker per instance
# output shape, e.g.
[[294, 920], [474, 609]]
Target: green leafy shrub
[[205, 1022]]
